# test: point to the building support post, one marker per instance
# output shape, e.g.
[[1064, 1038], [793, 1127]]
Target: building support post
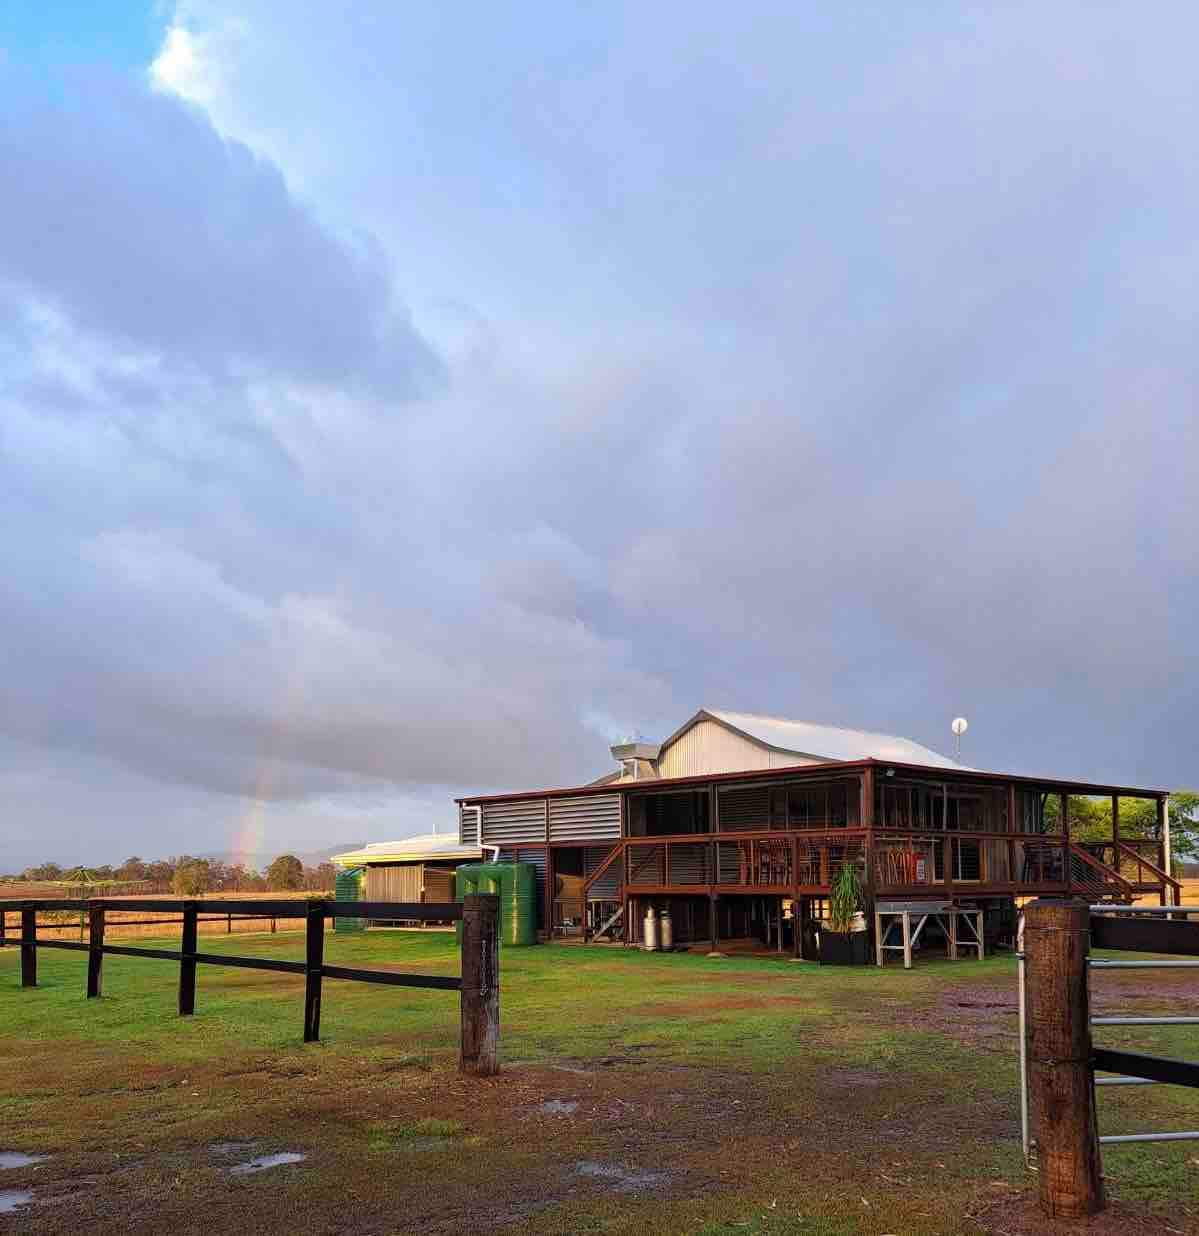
[[1067, 862], [712, 922], [1061, 1080]]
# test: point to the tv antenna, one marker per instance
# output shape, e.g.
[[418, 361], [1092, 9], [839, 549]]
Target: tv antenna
[[959, 725]]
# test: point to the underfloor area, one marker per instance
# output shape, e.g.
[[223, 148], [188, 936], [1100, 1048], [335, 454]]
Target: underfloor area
[[639, 1093]]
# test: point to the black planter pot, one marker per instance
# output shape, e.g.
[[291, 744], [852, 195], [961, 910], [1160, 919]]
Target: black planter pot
[[844, 948]]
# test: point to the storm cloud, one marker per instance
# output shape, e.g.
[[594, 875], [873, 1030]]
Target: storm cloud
[[401, 404]]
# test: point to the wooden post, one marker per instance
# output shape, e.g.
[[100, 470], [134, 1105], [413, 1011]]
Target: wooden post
[[907, 940], [1116, 831], [229, 924], [1067, 862], [28, 946], [1058, 1036], [314, 960], [3, 927], [95, 950], [187, 966], [480, 984], [712, 923]]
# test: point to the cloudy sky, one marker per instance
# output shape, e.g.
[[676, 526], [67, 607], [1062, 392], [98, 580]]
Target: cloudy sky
[[406, 400]]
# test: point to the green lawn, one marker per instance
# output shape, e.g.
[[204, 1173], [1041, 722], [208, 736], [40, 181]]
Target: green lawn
[[639, 1093]]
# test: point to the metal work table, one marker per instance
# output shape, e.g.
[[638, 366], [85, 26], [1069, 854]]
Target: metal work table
[[899, 914]]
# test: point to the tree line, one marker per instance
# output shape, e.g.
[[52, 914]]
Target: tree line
[[188, 876]]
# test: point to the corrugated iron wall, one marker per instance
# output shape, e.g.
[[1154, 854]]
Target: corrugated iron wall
[[399, 883], [513, 822], [592, 818]]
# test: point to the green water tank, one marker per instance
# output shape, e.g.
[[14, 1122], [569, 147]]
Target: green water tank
[[348, 887], [516, 884]]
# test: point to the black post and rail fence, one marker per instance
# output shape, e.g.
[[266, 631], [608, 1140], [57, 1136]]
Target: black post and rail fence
[[1060, 1060], [478, 985]]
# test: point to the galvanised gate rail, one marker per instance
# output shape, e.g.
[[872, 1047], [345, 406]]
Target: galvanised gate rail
[[1058, 1060], [478, 984]]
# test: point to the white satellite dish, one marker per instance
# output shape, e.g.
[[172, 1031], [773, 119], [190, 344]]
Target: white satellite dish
[[959, 725]]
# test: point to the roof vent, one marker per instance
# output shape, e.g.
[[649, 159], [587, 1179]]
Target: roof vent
[[637, 759]]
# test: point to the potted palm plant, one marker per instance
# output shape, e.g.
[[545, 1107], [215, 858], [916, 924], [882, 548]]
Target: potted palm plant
[[843, 937]]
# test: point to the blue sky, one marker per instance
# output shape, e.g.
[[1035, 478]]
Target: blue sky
[[47, 35], [402, 401]]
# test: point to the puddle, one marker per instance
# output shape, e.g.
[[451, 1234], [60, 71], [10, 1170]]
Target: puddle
[[265, 1162], [623, 1179], [17, 1158], [559, 1107], [230, 1147], [10, 1199]]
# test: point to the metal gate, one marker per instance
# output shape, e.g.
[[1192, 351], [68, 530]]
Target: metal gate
[[1132, 928]]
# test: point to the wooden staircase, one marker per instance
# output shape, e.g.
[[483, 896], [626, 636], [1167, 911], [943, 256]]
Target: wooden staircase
[[1095, 880]]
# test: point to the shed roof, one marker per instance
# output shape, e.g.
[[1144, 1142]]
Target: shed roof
[[425, 848]]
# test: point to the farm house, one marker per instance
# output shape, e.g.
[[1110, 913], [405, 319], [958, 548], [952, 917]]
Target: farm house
[[737, 825]]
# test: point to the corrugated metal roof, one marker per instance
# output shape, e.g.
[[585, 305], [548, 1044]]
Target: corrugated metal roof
[[427, 847], [830, 742]]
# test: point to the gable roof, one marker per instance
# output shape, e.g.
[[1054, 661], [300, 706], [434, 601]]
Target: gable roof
[[822, 742]]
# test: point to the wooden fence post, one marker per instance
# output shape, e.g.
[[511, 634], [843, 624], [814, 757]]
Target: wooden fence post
[[95, 947], [1061, 1079], [187, 967], [28, 946], [480, 984], [315, 960]]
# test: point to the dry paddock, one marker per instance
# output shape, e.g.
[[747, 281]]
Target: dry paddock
[[142, 924]]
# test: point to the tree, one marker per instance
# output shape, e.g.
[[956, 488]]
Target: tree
[[47, 871], [190, 878], [132, 869], [285, 874]]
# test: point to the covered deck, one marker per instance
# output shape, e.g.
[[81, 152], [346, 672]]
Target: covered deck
[[958, 838]]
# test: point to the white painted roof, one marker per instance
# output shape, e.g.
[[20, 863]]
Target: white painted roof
[[426, 847], [830, 742]]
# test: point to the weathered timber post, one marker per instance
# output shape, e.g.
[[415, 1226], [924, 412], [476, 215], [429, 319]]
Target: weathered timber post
[[28, 946], [187, 966], [1061, 1080], [95, 950], [314, 961], [480, 984]]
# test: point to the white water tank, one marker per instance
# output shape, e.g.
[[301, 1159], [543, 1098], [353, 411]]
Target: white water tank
[[665, 931]]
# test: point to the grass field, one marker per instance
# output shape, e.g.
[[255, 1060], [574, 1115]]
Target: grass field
[[640, 1093]]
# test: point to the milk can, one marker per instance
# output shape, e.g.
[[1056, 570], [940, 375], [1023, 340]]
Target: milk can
[[665, 931]]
